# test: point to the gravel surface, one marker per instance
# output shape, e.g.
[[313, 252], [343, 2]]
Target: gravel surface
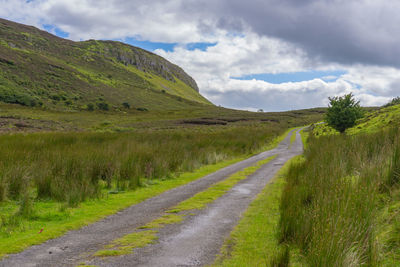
[[194, 242]]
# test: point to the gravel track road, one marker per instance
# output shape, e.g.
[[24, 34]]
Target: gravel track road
[[195, 242]]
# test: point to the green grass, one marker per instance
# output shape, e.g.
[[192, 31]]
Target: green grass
[[55, 218], [292, 139], [377, 120], [323, 129], [305, 133], [340, 207], [253, 242], [200, 200], [164, 220], [139, 238], [39, 119], [127, 243], [177, 88], [374, 121], [56, 221]]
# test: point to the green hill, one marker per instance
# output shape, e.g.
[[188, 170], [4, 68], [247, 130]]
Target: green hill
[[372, 122], [40, 69], [377, 120]]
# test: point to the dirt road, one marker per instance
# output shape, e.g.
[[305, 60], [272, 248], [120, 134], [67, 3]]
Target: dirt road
[[194, 242]]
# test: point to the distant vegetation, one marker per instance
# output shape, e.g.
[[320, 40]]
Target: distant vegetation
[[394, 101]]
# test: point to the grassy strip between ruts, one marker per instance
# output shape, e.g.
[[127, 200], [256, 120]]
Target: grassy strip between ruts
[[253, 242], [292, 138], [198, 201], [55, 220]]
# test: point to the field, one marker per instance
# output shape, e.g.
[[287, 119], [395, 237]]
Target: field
[[340, 206], [336, 205], [52, 178]]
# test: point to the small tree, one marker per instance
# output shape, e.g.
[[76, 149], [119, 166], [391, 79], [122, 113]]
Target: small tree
[[343, 112]]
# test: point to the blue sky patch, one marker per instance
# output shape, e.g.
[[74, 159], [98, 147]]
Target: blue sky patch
[[328, 76], [147, 45], [150, 46], [53, 29], [199, 46]]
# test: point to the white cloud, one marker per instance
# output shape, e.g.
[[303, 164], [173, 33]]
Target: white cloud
[[236, 56], [250, 40], [110, 19]]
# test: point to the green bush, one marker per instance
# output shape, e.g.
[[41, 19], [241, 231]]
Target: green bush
[[103, 106], [8, 96], [343, 112], [90, 107]]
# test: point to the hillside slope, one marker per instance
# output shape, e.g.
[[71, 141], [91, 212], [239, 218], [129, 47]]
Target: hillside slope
[[40, 69], [373, 121]]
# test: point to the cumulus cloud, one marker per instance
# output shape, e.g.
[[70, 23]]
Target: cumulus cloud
[[362, 31], [163, 21], [252, 37], [237, 56]]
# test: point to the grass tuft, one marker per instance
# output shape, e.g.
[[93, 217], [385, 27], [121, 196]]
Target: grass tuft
[[127, 243], [162, 221]]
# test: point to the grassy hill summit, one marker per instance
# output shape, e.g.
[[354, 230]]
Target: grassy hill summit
[[40, 69]]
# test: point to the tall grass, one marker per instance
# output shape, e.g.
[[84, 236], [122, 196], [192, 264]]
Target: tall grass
[[331, 207], [72, 167]]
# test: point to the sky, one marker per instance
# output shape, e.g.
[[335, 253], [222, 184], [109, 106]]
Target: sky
[[273, 55]]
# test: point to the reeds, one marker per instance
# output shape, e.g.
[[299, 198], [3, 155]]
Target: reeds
[[72, 167], [332, 200]]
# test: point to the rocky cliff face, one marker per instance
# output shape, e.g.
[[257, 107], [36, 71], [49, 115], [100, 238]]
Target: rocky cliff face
[[147, 61]]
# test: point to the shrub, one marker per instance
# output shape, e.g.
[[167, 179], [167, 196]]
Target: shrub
[[126, 105], [343, 112], [17, 98], [90, 107], [103, 105]]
